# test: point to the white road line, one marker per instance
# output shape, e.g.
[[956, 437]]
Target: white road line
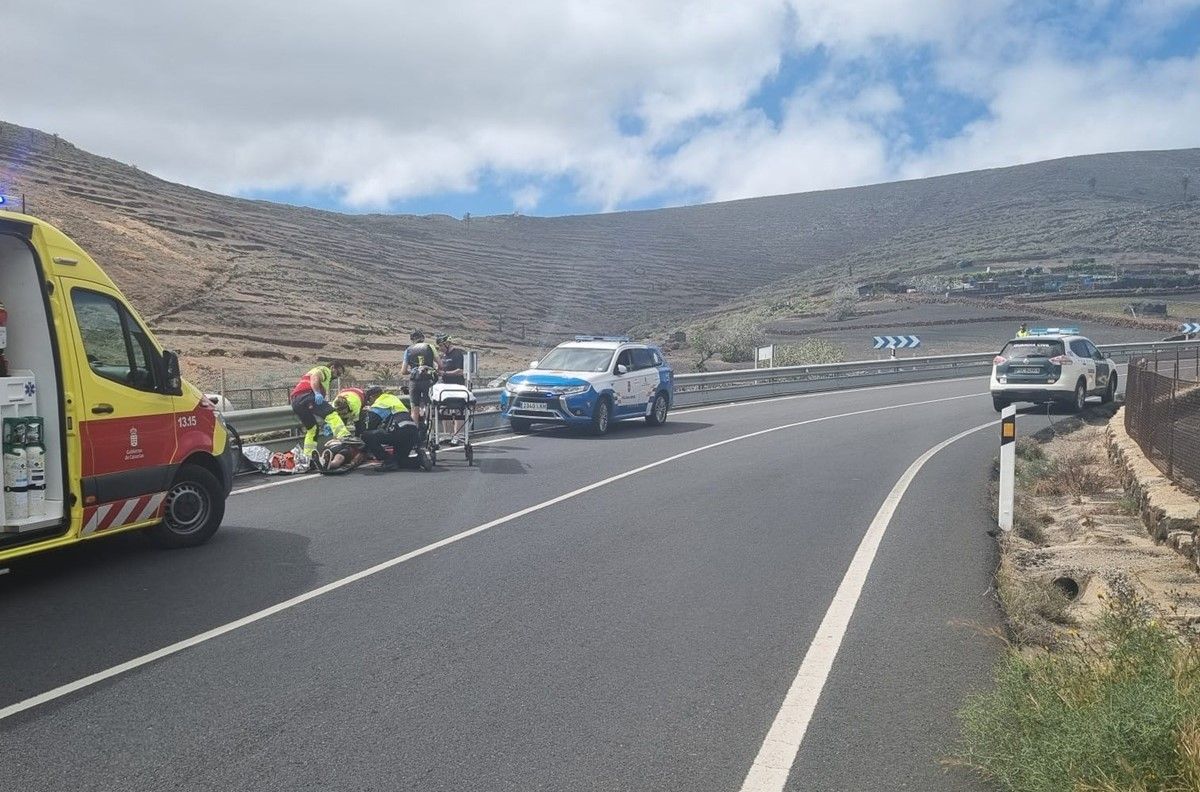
[[771, 767], [187, 643], [685, 411], [296, 478]]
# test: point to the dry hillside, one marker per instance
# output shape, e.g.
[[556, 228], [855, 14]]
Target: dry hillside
[[260, 288]]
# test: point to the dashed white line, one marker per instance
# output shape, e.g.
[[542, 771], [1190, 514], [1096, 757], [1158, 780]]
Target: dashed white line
[[771, 767], [208, 635]]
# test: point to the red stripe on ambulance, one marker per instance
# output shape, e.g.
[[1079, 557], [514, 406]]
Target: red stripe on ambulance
[[122, 512]]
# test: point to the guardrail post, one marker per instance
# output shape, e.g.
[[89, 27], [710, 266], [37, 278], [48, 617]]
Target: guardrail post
[[1008, 465], [1171, 427]]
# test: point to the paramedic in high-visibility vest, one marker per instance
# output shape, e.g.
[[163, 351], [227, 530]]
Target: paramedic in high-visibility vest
[[1023, 330], [310, 403], [394, 428], [348, 404]]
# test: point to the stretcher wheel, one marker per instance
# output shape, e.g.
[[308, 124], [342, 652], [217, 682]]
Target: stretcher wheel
[[430, 459]]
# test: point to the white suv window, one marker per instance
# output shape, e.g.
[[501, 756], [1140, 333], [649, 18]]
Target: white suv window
[[1080, 348], [643, 358]]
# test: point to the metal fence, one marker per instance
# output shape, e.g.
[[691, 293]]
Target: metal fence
[[1162, 413]]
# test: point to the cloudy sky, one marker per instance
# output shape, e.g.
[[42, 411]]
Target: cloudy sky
[[552, 107]]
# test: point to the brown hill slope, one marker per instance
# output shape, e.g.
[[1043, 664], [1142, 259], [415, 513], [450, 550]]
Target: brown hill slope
[[262, 287]]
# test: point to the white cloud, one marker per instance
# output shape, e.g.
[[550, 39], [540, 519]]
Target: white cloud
[[379, 100], [1048, 108]]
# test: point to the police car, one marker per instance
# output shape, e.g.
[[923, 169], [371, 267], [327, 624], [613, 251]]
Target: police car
[[591, 382], [1052, 364]]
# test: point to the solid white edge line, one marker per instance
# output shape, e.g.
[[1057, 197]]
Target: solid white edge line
[[773, 764], [685, 411], [179, 646]]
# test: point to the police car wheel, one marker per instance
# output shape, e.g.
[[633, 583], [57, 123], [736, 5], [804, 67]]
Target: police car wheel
[[1078, 398], [192, 510], [601, 417], [658, 413], [1110, 393], [520, 425]]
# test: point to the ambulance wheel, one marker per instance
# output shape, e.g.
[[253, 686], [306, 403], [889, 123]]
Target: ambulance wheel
[[658, 412], [521, 425], [192, 510]]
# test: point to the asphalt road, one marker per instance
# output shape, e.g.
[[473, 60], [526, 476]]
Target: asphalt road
[[637, 634]]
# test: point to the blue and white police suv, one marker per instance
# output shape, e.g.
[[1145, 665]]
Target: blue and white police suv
[[591, 381]]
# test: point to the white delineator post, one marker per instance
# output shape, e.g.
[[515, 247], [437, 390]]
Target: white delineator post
[[1008, 465]]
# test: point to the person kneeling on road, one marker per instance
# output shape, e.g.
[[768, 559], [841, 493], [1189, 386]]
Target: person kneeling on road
[[343, 451], [396, 429], [309, 400]]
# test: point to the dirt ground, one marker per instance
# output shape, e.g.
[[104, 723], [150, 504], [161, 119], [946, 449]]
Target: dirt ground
[[1077, 536]]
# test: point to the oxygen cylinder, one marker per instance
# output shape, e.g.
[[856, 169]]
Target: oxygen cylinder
[[16, 470], [35, 455]]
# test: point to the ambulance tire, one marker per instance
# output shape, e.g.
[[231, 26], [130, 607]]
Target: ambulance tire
[[192, 511]]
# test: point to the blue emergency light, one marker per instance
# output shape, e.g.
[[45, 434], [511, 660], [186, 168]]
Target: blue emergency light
[[619, 339], [1054, 331]]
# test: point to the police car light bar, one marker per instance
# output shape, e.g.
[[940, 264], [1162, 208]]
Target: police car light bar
[[9, 203], [621, 339], [1054, 331]]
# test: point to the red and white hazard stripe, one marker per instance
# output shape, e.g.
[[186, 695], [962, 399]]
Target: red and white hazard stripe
[[123, 512]]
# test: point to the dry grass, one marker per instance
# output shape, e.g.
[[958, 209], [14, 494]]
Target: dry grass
[[1120, 711], [1076, 473]]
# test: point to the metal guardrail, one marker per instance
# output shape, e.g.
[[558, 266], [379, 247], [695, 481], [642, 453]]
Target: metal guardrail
[[718, 387]]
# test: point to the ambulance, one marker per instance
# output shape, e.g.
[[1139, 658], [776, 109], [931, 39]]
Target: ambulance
[[101, 435]]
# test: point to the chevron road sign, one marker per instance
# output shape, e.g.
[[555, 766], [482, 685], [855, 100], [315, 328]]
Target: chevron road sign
[[1190, 327], [897, 342]]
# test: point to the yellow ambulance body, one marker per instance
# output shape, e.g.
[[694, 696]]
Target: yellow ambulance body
[[126, 442]]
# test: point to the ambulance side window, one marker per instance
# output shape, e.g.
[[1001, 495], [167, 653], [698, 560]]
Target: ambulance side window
[[116, 346]]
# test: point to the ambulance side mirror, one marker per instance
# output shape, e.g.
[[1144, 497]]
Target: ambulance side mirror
[[174, 381]]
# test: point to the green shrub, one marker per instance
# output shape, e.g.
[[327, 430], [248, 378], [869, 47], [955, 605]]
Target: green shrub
[[1118, 712]]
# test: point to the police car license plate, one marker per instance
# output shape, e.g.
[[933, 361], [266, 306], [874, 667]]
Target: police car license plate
[[535, 406], [1027, 370]]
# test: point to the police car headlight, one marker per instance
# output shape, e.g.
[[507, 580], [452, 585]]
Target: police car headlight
[[510, 388], [571, 390]]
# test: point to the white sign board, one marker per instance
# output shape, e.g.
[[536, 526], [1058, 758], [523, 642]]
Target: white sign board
[[766, 353]]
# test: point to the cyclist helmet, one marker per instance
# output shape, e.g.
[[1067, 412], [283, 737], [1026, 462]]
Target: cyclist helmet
[[416, 336], [442, 338]]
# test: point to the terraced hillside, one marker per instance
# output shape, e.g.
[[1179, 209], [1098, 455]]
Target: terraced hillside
[[259, 288]]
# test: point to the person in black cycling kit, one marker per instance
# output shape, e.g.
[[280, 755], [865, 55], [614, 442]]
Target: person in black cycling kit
[[420, 364], [453, 372]]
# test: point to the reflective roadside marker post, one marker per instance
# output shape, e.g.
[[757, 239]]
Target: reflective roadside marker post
[[1008, 465]]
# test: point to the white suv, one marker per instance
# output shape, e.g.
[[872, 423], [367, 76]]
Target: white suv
[[591, 382], [1052, 365]]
